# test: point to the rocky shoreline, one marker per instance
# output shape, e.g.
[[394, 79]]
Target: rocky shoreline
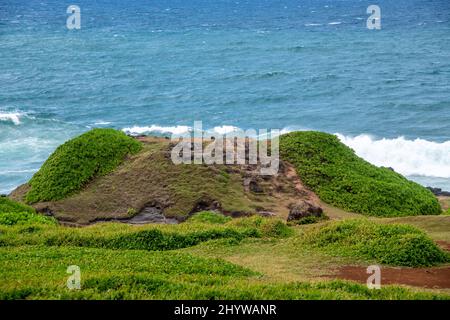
[[439, 192]]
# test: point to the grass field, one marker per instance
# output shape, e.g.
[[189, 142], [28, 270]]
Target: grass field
[[210, 257]]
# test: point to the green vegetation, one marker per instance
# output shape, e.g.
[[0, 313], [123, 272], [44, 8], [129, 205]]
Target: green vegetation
[[209, 217], [339, 177], [309, 220], [12, 213], [393, 244], [78, 161], [184, 261], [40, 273], [9, 206], [21, 218], [147, 237]]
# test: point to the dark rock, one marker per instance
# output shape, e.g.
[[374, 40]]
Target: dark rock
[[439, 192], [151, 215], [303, 209], [252, 184], [266, 214], [45, 210], [216, 205], [206, 204], [255, 187]]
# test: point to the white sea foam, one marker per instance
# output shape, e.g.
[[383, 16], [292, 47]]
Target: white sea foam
[[13, 117], [417, 157], [101, 123], [409, 157], [7, 172], [225, 129], [154, 128], [334, 23], [312, 24]]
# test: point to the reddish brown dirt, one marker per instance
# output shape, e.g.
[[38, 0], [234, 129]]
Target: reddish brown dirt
[[436, 278], [444, 245]]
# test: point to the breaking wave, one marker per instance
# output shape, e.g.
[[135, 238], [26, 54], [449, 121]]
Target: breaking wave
[[417, 157]]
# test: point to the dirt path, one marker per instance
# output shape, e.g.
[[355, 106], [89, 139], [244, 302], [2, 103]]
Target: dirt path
[[435, 278]]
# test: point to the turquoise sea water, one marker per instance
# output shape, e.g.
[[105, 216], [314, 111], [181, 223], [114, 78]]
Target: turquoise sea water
[[156, 66]]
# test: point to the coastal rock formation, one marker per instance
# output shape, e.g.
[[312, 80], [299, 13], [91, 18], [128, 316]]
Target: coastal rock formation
[[149, 188], [303, 209], [438, 192]]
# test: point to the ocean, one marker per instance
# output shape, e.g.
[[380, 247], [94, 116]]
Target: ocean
[[157, 66]]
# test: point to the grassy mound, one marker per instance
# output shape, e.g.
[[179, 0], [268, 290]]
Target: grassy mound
[[395, 244], [341, 178], [76, 162]]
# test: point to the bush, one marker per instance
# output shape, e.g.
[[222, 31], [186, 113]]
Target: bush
[[14, 218], [341, 178], [209, 217], [393, 244], [309, 220], [76, 162], [9, 206]]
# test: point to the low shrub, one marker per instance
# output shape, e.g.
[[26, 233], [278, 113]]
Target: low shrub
[[393, 244]]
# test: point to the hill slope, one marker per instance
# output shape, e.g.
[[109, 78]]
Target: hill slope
[[341, 178], [147, 184]]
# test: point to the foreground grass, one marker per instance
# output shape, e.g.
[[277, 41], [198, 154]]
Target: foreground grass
[[207, 257], [36, 272], [148, 237]]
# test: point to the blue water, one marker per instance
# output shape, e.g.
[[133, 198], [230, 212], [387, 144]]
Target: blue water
[[292, 65]]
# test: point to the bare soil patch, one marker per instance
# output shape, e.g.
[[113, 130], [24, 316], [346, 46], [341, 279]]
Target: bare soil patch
[[436, 277], [444, 245]]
